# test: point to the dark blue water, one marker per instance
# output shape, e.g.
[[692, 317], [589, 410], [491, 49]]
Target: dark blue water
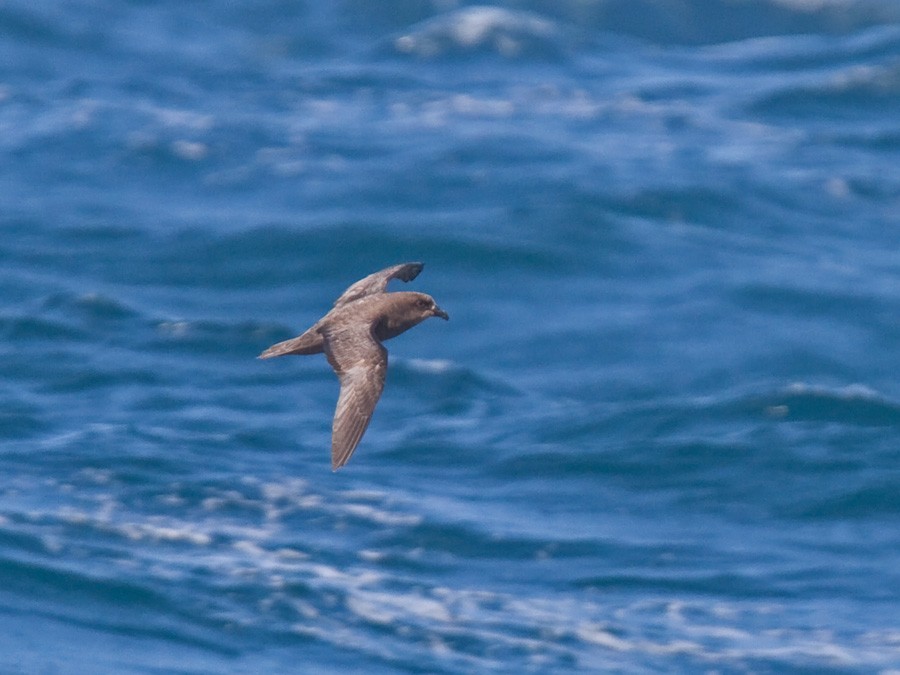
[[661, 432]]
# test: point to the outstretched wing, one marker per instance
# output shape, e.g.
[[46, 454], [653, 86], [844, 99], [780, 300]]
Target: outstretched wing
[[377, 282], [360, 363]]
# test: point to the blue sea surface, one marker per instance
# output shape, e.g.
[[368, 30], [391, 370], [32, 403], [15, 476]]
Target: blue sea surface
[[660, 433]]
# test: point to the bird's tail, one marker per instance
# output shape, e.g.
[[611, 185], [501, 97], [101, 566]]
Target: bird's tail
[[311, 342]]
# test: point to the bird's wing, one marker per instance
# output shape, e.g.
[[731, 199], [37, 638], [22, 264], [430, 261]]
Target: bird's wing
[[377, 282], [360, 363]]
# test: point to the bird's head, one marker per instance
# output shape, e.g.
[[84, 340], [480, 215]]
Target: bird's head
[[406, 309], [425, 306]]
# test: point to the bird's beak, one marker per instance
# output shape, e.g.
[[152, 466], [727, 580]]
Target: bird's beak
[[437, 311]]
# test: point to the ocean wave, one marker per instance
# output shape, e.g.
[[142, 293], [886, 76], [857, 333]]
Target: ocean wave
[[854, 404], [92, 306], [227, 560], [717, 21], [33, 328], [600, 464], [483, 30], [866, 89], [222, 337]]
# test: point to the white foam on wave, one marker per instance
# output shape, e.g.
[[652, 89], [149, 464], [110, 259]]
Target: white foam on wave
[[177, 329], [579, 629], [108, 519], [67, 439], [348, 579], [386, 608], [601, 636], [850, 392], [431, 366], [190, 150], [164, 533], [178, 118], [814, 5], [505, 31], [380, 516], [344, 601]]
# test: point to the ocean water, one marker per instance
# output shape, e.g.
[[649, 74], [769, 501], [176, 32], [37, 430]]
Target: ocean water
[[661, 432]]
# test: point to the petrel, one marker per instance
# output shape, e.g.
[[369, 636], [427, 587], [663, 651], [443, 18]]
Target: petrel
[[351, 335]]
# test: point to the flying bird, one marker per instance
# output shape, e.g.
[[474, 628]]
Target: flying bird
[[350, 335]]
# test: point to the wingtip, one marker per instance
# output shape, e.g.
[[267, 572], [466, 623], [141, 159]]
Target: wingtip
[[415, 268]]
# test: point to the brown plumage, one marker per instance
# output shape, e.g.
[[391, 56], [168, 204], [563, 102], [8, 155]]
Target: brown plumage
[[351, 335]]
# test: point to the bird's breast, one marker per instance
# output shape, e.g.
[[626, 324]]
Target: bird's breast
[[388, 327]]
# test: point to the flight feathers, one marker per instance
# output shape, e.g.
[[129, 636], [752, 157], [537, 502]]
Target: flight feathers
[[351, 335]]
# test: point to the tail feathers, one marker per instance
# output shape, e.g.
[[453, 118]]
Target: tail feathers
[[310, 342]]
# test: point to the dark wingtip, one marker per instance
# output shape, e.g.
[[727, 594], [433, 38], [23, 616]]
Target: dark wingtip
[[412, 270]]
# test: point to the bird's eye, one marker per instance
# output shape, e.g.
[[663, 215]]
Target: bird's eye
[[422, 303]]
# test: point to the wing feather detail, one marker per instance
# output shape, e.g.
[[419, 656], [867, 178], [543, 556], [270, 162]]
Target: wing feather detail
[[377, 282], [361, 365]]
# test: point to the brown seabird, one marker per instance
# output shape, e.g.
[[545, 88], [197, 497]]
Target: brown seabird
[[351, 335]]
